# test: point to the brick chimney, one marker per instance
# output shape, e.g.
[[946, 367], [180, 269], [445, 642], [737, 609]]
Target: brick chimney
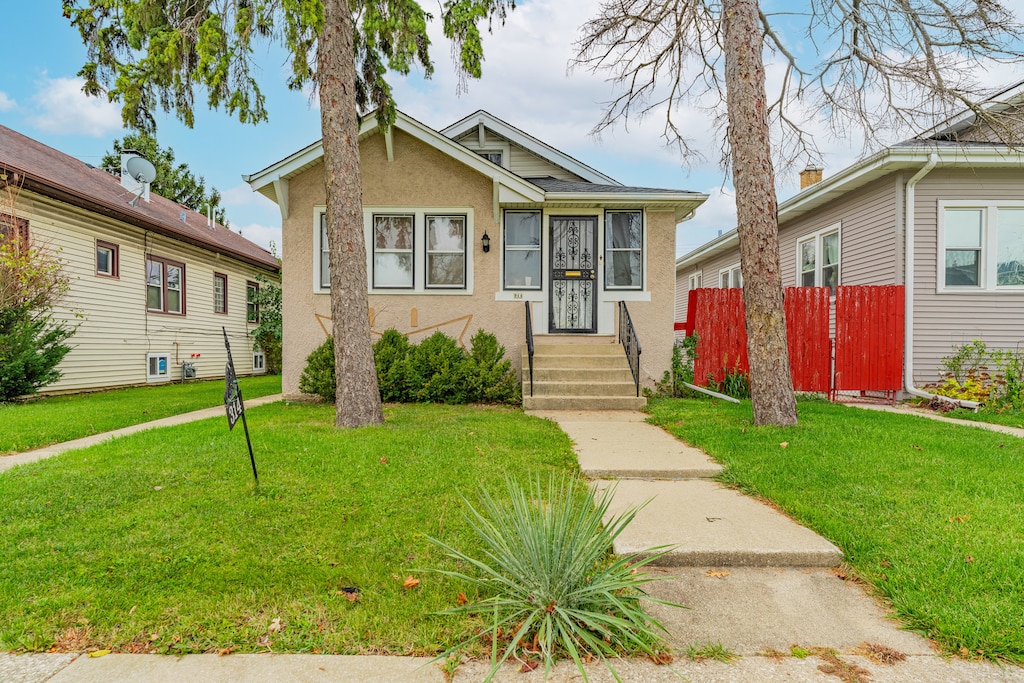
[[810, 176]]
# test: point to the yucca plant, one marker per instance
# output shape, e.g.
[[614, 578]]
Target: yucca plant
[[549, 581]]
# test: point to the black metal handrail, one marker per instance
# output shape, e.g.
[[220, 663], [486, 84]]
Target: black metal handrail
[[631, 343], [529, 340]]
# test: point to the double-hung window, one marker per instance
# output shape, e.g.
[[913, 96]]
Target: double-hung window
[[446, 252], [409, 251], [818, 259], [695, 280], [981, 246], [522, 250], [393, 251], [623, 250], [165, 285], [252, 302], [731, 277], [220, 293], [324, 254]]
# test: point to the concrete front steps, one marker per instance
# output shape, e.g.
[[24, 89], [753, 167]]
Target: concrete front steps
[[579, 376]]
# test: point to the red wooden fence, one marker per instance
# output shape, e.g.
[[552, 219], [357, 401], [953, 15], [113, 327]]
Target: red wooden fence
[[717, 316], [808, 340], [869, 336]]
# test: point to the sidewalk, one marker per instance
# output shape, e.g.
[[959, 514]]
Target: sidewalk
[[9, 461], [753, 581]]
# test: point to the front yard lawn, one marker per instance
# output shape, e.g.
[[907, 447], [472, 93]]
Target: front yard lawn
[[158, 542], [54, 419], [929, 514]]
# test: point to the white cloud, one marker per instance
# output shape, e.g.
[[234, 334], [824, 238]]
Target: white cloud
[[243, 195], [63, 108], [6, 102], [260, 234], [715, 216]]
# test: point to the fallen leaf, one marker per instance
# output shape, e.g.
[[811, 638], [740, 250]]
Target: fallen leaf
[[99, 653], [880, 654], [969, 558], [275, 626], [225, 651], [351, 593], [383, 461], [716, 573], [461, 599], [154, 636], [661, 658], [157, 488], [132, 610], [784, 444], [551, 607], [410, 582], [529, 665], [917, 448], [961, 518]]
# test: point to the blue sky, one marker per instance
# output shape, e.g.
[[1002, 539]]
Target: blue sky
[[525, 82]]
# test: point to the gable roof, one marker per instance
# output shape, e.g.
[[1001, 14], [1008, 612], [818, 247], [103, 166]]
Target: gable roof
[[527, 142], [910, 155], [511, 189], [64, 178]]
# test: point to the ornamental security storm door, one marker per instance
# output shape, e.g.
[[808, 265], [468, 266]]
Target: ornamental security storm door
[[573, 272]]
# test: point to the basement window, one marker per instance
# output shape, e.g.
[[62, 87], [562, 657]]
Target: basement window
[[158, 367]]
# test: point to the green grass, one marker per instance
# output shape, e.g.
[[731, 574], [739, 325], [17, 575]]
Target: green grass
[[930, 514], [53, 419], [158, 541]]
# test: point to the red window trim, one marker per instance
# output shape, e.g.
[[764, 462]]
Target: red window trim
[[224, 279], [166, 262], [115, 259]]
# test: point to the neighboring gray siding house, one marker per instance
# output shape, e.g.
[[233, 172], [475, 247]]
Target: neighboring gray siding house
[[950, 198], [152, 282]]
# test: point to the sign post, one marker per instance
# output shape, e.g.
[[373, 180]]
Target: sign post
[[233, 403]]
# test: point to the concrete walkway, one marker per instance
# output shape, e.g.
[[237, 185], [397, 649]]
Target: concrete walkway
[[9, 461], [752, 580]]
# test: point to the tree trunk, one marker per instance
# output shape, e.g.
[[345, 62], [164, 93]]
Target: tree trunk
[[771, 385], [358, 398]]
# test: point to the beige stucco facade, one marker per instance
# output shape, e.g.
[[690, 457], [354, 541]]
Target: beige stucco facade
[[421, 179]]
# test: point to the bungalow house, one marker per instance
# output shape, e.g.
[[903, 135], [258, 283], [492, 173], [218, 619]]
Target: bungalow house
[[472, 226], [151, 282], [941, 214]]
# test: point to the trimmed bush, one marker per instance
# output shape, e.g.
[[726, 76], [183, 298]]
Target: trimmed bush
[[391, 356], [437, 370], [319, 377]]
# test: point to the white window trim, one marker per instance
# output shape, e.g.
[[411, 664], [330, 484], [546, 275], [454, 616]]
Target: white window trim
[[420, 214], [989, 246], [619, 290], [817, 237], [735, 267], [259, 362], [696, 278], [166, 376]]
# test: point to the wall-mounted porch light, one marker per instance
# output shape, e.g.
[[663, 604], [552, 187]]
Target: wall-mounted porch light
[[486, 242]]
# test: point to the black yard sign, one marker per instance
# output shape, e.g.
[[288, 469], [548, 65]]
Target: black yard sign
[[233, 403]]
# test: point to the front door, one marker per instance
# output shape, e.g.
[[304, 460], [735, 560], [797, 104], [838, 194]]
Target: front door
[[573, 272]]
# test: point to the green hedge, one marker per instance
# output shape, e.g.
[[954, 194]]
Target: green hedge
[[437, 370]]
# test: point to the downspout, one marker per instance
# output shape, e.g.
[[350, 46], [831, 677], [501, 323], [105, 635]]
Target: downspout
[[908, 296]]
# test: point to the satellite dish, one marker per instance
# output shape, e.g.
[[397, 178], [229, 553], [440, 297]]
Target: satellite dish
[[140, 169]]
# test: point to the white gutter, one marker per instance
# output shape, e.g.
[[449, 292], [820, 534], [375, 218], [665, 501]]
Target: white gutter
[[908, 296]]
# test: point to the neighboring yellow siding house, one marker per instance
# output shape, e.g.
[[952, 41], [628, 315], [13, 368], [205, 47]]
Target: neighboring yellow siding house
[[152, 282]]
